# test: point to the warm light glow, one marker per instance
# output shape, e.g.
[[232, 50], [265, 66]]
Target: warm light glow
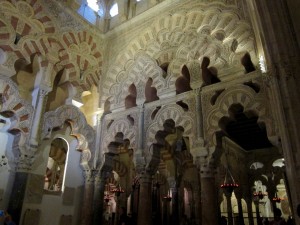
[[76, 103], [262, 64], [93, 4]]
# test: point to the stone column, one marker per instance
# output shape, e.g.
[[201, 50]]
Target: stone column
[[229, 207], [166, 211], [26, 158], [145, 204], [249, 209], [238, 195], [175, 212], [258, 220], [275, 29], [38, 114], [199, 115], [98, 200], [209, 196], [87, 206]]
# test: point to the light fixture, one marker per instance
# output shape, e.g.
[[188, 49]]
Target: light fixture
[[276, 198], [118, 190], [229, 184], [259, 195]]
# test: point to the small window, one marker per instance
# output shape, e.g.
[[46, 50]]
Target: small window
[[138, 0], [93, 5], [114, 10]]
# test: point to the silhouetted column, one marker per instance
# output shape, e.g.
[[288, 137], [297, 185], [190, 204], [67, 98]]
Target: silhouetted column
[[229, 207], [145, 204], [238, 195], [250, 212]]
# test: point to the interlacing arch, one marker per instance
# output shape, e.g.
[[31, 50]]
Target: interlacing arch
[[120, 126], [143, 68], [203, 31], [12, 102], [246, 97], [174, 112]]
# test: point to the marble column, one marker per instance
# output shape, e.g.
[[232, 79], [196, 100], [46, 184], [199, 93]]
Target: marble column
[[208, 195], [87, 206], [145, 203], [17, 196], [175, 210], [98, 199]]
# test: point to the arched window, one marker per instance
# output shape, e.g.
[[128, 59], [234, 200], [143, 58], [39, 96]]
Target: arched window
[[114, 10], [57, 160]]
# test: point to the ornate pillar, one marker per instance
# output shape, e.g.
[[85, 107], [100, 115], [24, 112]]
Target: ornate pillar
[[87, 206], [26, 158], [145, 203], [208, 193]]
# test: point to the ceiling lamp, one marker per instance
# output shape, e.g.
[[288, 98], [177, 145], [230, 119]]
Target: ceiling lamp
[[277, 199], [260, 195], [118, 190], [229, 184]]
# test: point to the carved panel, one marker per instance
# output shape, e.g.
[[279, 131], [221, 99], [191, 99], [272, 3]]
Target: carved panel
[[34, 189]]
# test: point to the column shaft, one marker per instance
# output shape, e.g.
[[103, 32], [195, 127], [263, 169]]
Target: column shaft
[[145, 204], [209, 201]]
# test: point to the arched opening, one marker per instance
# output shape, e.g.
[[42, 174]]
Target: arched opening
[[209, 74], [57, 162], [247, 153], [130, 100], [247, 63], [150, 92], [183, 82]]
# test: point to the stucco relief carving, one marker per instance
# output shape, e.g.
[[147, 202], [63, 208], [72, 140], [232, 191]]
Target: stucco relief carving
[[249, 99], [123, 126], [207, 32], [137, 72]]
